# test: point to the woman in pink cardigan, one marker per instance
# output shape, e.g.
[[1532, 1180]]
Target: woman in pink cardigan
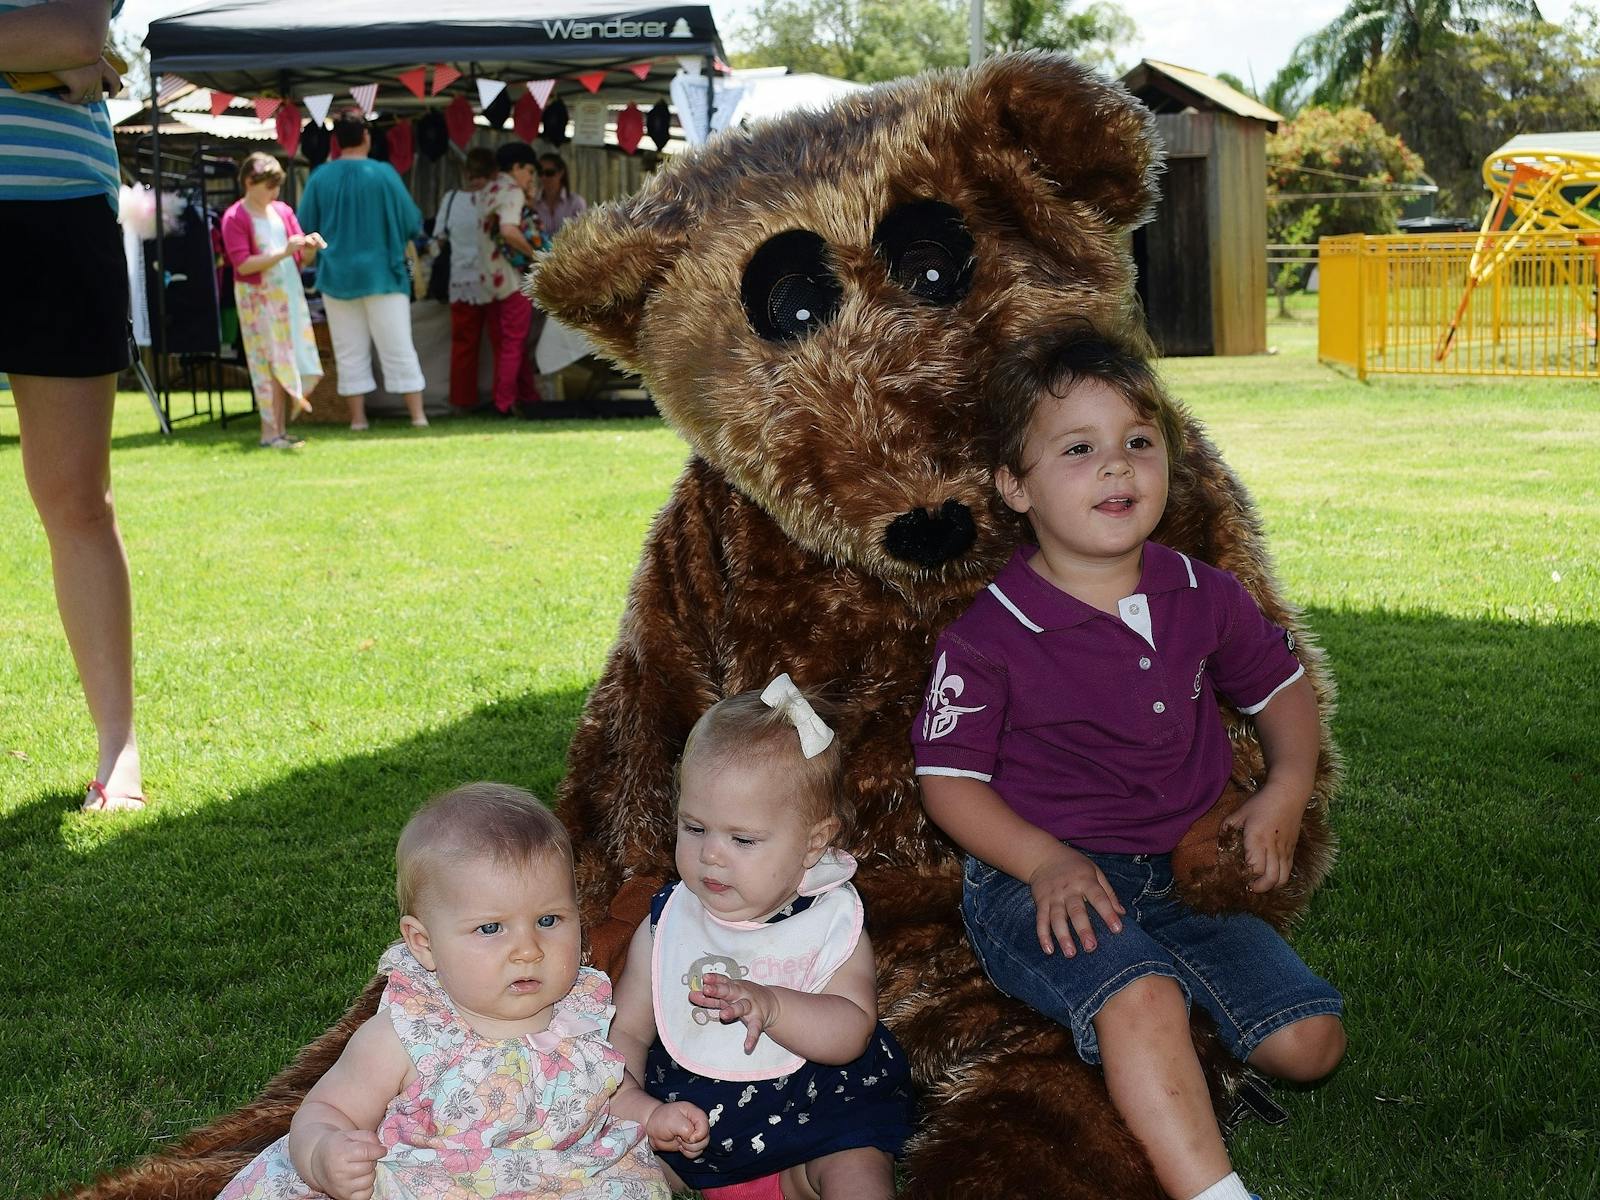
[[265, 244]]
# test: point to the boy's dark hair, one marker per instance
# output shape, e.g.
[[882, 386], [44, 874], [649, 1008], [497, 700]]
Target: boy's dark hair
[[1050, 364], [474, 821], [513, 154], [479, 163], [348, 130]]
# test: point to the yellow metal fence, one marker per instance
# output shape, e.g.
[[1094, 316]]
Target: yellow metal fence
[[1461, 304]]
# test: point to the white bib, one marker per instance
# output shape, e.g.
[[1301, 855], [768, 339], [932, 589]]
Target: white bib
[[801, 952]]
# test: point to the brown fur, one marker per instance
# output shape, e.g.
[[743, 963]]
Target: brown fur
[[769, 556]]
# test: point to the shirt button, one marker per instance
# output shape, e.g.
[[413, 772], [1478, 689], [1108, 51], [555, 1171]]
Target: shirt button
[[1144, 664], [1158, 707], [1133, 608]]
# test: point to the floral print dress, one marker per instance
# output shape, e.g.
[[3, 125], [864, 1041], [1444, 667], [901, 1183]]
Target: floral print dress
[[275, 321], [528, 1117]]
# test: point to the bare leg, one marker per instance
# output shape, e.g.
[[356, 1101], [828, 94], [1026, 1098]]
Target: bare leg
[[414, 407], [1304, 1051], [66, 458], [1157, 1085], [273, 416], [863, 1173], [358, 411]]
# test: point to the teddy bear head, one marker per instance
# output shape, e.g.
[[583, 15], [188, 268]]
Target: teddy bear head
[[815, 302]]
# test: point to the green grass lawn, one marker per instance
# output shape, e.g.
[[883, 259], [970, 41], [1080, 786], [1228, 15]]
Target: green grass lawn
[[326, 637]]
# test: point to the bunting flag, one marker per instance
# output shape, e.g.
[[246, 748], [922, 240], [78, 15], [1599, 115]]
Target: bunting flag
[[458, 119], [288, 125], [416, 81], [443, 76], [488, 89], [318, 106], [365, 95], [266, 106], [540, 90], [718, 65], [630, 128], [402, 146], [525, 116], [640, 70], [591, 80], [219, 102]]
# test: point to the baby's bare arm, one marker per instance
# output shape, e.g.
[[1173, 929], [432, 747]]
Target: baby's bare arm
[[333, 1141], [831, 1026]]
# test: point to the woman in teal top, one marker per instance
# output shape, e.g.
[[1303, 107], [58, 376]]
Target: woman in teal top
[[366, 216], [63, 338]]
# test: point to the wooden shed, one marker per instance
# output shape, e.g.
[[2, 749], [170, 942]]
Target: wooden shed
[[1202, 262]]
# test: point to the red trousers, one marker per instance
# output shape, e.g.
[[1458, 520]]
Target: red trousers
[[509, 322], [466, 336]]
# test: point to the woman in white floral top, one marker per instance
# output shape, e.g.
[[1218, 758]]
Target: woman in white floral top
[[509, 238]]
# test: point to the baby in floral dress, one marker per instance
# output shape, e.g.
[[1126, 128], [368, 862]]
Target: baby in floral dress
[[486, 1070]]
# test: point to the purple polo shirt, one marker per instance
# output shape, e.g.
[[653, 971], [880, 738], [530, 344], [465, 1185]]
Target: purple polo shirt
[[1102, 730]]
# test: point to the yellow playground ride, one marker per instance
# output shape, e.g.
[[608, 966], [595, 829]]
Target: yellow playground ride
[[1517, 298]]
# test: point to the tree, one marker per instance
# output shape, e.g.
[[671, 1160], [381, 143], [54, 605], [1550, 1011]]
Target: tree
[[872, 40], [1092, 34], [1477, 91], [1326, 151], [1337, 60]]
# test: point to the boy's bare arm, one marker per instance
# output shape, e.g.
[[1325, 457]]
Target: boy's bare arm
[[1064, 882], [1291, 740]]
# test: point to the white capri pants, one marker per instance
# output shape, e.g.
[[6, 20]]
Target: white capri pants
[[353, 327]]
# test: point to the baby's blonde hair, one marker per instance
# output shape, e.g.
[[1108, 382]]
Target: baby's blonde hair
[[474, 821], [744, 727]]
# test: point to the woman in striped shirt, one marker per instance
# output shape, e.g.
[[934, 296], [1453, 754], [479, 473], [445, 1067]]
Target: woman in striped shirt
[[63, 338]]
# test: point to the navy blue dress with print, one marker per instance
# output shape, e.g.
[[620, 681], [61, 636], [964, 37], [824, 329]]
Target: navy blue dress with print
[[762, 1127]]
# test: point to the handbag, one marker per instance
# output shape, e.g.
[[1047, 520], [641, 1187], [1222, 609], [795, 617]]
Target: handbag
[[439, 280]]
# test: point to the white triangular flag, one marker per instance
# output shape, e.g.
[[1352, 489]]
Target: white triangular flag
[[540, 89], [318, 106], [365, 95], [488, 89]]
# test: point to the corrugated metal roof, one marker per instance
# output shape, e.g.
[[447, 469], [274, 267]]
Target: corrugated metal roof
[[1222, 95], [1534, 143]]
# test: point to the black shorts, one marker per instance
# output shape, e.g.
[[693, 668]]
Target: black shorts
[[64, 289]]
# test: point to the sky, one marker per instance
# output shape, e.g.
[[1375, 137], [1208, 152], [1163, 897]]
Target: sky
[[1251, 39]]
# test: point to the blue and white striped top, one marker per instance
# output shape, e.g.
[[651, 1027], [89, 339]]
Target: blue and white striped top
[[53, 150]]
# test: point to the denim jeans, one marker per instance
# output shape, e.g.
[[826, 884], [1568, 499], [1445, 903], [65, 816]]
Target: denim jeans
[[1235, 967]]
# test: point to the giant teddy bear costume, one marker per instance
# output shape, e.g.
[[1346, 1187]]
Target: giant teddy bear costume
[[815, 305]]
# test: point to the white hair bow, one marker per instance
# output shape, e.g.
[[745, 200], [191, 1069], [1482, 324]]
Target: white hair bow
[[815, 736]]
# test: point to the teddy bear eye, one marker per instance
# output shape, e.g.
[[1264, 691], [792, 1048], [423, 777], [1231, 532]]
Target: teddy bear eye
[[927, 249], [788, 289]]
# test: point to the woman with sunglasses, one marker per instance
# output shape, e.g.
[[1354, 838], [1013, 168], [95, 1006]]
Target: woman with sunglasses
[[556, 203]]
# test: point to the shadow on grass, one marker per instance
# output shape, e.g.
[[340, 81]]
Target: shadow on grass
[[162, 974]]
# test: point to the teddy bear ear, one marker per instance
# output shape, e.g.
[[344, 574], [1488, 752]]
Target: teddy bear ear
[[1086, 133], [601, 271]]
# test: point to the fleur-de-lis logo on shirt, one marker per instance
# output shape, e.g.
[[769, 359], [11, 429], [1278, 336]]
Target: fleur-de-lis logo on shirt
[[942, 714]]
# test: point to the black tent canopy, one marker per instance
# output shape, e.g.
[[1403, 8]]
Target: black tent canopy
[[298, 47]]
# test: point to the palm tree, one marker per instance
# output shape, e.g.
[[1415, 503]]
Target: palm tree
[[1338, 58]]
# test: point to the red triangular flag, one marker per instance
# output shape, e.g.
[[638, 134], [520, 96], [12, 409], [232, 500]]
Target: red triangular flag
[[402, 146], [219, 102], [416, 81], [288, 123], [525, 114], [458, 120], [591, 79], [630, 128], [266, 106], [640, 70], [443, 76]]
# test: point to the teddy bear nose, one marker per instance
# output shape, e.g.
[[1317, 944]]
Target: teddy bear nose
[[930, 538]]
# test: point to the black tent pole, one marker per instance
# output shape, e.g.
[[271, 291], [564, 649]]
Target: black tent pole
[[159, 340]]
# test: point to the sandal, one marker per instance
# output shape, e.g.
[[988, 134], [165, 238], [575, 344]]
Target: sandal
[[282, 442], [100, 800], [361, 428]]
